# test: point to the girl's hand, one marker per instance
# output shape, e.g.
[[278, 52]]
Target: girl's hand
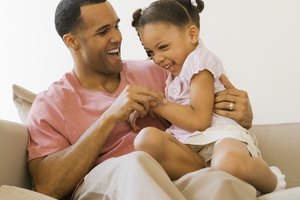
[[132, 120], [133, 98]]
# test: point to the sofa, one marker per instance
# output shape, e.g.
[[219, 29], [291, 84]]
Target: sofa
[[279, 145]]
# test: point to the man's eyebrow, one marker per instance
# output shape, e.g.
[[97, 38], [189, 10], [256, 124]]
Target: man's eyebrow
[[107, 26]]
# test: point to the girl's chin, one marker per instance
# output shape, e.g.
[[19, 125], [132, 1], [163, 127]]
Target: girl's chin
[[174, 74]]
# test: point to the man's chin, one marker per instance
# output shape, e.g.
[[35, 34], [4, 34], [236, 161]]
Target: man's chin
[[116, 61], [120, 66]]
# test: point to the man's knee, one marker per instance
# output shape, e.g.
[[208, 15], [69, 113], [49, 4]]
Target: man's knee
[[223, 186], [140, 162], [237, 187], [138, 156]]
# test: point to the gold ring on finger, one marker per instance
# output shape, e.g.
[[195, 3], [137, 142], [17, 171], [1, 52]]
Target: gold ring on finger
[[231, 106]]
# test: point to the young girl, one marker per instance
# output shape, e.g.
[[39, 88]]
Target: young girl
[[169, 32]]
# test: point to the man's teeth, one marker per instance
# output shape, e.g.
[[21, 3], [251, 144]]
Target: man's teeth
[[113, 51]]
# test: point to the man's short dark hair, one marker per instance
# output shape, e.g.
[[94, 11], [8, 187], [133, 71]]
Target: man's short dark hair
[[67, 15]]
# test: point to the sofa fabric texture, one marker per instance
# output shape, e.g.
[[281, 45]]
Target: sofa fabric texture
[[13, 154]]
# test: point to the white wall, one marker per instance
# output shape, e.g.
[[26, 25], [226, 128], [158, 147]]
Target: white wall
[[258, 41]]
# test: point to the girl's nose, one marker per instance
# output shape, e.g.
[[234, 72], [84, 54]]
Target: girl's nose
[[158, 59]]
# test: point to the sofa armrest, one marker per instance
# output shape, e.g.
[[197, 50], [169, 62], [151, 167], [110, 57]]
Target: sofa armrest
[[13, 154], [280, 146]]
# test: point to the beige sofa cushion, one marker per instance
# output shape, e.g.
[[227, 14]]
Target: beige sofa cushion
[[16, 193], [280, 146], [288, 194]]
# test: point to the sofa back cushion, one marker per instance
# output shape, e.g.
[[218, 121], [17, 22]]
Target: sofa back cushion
[[23, 99], [280, 146]]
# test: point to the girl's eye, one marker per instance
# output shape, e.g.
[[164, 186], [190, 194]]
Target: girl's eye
[[162, 47]]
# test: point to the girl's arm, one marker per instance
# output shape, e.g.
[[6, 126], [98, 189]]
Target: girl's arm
[[198, 115]]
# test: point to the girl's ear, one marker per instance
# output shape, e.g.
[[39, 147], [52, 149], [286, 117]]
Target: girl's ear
[[194, 34], [71, 41]]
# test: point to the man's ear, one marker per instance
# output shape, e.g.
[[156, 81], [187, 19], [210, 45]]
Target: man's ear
[[194, 34], [71, 41]]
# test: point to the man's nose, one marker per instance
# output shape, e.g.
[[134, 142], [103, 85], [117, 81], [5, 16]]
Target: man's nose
[[116, 36]]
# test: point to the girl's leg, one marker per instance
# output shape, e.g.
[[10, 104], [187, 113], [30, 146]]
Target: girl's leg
[[176, 158], [232, 156]]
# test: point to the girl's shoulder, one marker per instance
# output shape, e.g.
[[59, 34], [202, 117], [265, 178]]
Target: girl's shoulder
[[202, 59]]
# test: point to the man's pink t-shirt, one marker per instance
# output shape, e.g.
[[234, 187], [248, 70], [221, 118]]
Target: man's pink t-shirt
[[60, 115]]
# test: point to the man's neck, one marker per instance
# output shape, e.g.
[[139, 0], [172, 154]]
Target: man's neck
[[99, 82]]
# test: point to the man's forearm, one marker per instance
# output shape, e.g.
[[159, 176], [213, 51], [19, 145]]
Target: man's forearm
[[58, 174]]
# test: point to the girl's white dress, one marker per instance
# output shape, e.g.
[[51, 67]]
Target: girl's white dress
[[178, 91]]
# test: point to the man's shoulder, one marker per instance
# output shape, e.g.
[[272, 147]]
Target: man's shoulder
[[60, 87], [145, 73], [55, 98]]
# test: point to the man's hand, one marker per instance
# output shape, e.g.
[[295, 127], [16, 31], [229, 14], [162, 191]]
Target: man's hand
[[134, 98], [233, 103]]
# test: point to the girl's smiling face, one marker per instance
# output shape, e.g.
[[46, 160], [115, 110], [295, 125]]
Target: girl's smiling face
[[169, 45]]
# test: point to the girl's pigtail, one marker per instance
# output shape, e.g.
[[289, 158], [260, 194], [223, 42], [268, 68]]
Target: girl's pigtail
[[200, 5], [136, 17]]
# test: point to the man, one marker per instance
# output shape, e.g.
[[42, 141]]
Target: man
[[80, 121]]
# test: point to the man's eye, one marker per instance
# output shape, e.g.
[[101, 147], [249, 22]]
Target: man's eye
[[102, 32]]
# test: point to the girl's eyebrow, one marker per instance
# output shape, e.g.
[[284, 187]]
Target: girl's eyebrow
[[159, 43]]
